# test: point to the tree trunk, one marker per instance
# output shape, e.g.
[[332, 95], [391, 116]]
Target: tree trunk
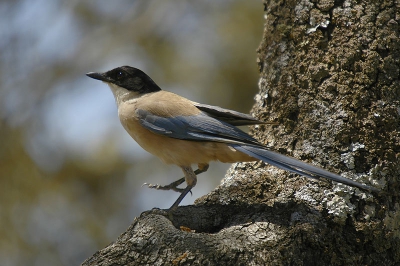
[[330, 76]]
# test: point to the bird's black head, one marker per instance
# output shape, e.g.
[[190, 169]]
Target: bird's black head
[[127, 77]]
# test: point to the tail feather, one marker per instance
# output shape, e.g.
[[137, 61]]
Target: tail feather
[[296, 166]]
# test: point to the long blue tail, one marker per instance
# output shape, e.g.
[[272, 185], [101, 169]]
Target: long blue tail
[[296, 166]]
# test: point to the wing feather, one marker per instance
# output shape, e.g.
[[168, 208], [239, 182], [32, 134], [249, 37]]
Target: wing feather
[[199, 127], [229, 116]]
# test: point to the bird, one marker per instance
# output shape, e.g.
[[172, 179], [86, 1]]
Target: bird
[[185, 133]]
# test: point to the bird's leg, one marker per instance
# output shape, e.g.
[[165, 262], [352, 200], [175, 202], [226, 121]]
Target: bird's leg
[[174, 185], [191, 180]]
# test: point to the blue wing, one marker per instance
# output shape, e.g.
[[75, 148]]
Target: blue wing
[[199, 127], [202, 127], [229, 116]]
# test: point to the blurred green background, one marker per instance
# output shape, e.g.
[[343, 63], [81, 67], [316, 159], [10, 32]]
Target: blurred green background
[[70, 176]]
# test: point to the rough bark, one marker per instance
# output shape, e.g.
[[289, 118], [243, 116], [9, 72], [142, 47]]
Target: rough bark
[[330, 76]]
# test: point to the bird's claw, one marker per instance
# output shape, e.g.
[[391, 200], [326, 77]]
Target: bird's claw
[[167, 187]]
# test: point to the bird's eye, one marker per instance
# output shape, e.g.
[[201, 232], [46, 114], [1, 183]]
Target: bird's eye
[[120, 74]]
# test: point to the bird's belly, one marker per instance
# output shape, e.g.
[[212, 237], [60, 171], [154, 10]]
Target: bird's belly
[[182, 152]]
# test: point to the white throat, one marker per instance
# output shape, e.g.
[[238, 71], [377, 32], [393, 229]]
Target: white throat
[[122, 95]]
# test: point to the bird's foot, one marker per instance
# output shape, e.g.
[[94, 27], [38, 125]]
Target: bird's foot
[[173, 186]]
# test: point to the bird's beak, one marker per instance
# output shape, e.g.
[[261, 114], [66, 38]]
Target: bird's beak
[[98, 76]]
